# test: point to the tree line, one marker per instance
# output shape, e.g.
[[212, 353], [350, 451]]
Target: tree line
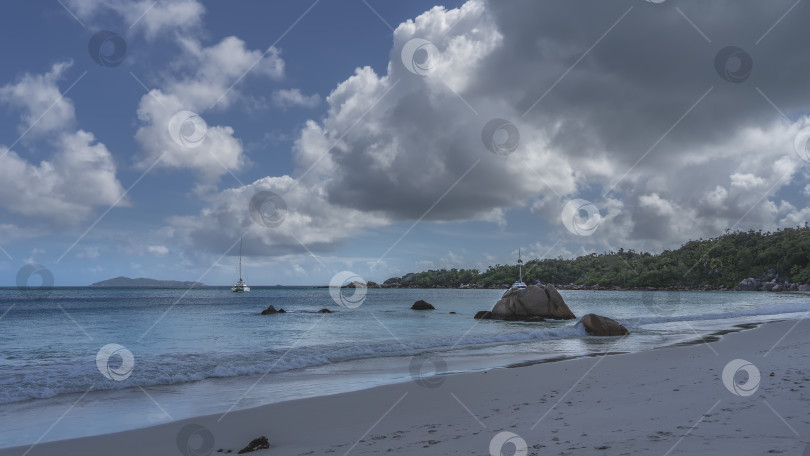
[[721, 261]]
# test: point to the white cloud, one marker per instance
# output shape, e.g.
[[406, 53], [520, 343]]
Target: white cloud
[[290, 98], [311, 220], [394, 145], [150, 17], [157, 250], [211, 73], [79, 175], [43, 107]]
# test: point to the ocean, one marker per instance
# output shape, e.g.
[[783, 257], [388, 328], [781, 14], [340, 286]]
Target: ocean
[[107, 360]]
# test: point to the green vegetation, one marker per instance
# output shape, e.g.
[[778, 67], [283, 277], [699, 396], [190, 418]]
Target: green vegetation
[[721, 261]]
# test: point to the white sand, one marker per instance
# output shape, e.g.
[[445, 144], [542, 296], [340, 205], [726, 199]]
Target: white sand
[[669, 401]]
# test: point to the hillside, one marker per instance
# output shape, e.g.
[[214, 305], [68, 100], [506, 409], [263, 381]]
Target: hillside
[[126, 282], [721, 262]]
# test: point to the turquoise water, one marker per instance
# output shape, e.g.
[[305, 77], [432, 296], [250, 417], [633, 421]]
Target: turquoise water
[[207, 351]]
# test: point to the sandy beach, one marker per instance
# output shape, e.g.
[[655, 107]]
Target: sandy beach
[[666, 401]]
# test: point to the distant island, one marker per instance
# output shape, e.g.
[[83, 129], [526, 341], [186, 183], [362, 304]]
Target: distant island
[[742, 260], [141, 282]]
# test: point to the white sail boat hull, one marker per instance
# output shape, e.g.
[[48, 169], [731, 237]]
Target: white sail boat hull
[[240, 286], [519, 284]]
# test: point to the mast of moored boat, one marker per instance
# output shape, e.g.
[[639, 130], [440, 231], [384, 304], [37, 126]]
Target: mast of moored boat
[[240, 260], [520, 267]]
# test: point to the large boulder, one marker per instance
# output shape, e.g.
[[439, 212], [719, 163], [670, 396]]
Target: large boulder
[[750, 284], [422, 305], [533, 303], [597, 325], [804, 287]]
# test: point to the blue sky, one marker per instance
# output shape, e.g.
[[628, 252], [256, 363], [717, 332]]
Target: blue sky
[[384, 166]]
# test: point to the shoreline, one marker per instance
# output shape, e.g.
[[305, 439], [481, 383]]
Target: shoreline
[[429, 414], [574, 287]]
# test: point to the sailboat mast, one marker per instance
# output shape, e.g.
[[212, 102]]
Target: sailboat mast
[[520, 267], [240, 259]]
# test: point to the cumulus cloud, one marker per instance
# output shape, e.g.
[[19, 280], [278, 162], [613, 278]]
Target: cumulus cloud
[[171, 136], [44, 109], [310, 221], [290, 98], [79, 175], [152, 18], [617, 101]]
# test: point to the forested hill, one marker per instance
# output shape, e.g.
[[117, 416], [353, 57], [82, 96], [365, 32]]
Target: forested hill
[[719, 262]]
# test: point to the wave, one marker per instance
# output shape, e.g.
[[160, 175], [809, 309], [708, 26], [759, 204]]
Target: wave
[[45, 380], [781, 309]]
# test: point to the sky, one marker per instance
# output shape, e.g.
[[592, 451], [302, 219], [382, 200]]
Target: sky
[[146, 138]]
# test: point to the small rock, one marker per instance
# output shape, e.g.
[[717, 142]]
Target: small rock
[[452, 313], [597, 325], [483, 315], [260, 443], [324, 311], [272, 310], [422, 305]]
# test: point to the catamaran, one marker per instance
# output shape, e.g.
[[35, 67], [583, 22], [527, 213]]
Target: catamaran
[[241, 286], [519, 282]]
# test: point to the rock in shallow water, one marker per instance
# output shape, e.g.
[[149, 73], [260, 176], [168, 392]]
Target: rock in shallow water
[[422, 305], [533, 303], [272, 310], [597, 325]]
